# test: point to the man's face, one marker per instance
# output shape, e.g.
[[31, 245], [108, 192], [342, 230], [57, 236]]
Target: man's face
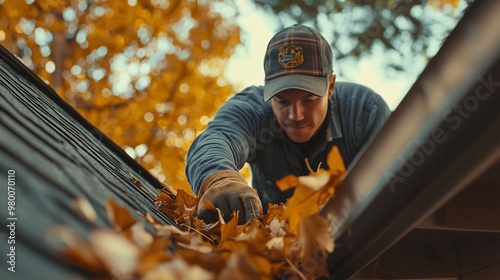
[[301, 113]]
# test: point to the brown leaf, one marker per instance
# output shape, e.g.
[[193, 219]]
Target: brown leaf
[[136, 182], [183, 198], [119, 255], [169, 232], [242, 266], [150, 219], [213, 261], [119, 216], [197, 248], [230, 229], [140, 236], [178, 269], [76, 251]]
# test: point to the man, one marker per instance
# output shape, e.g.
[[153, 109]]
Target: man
[[297, 116]]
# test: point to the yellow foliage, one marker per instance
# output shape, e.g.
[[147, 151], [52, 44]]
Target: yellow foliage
[[440, 4], [313, 191], [138, 73]]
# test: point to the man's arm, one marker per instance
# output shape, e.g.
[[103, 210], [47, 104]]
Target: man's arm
[[229, 139], [222, 150]]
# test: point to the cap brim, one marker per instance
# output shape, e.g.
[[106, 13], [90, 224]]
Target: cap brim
[[313, 84]]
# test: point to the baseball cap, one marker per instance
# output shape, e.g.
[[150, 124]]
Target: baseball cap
[[297, 57]]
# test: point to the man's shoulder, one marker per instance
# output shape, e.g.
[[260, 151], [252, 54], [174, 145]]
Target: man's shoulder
[[348, 91], [353, 90], [250, 101], [254, 93]]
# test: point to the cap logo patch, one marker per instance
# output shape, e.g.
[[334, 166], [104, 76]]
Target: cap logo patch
[[290, 57]]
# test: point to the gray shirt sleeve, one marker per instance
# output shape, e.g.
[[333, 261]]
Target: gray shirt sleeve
[[229, 139]]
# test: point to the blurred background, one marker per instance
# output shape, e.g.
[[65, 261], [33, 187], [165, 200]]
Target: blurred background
[[150, 74]]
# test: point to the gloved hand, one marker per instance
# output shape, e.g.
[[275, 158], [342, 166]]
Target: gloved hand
[[228, 191]]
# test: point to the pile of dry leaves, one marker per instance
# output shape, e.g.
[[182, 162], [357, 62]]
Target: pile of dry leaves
[[291, 241]]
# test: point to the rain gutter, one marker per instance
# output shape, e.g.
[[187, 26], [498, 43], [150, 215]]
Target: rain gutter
[[444, 134]]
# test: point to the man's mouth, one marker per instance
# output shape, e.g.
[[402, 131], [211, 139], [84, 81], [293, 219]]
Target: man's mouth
[[296, 125]]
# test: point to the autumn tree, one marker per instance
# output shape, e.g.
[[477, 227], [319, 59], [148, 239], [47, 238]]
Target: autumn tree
[[146, 73]]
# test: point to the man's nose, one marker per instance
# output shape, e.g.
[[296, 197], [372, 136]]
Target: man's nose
[[296, 112]]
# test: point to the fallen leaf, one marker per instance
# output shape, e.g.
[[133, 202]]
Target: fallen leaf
[[242, 266], [309, 198], [314, 182], [120, 255], [177, 269], [277, 243], [183, 198], [335, 162], [315, 236], [119, 216], [230, 229], [276, 227], [136, 182], [75, 250], [83, 206], [140, 235]]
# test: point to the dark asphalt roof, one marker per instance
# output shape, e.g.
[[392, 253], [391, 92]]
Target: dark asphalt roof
[[57, 156]]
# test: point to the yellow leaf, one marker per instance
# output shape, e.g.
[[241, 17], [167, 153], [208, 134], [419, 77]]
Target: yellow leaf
[[335, 162], [316, 181], [315, 236], [440, 4], [311, 191], [287, 182]]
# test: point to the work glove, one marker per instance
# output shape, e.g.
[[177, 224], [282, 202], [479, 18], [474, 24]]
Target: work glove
[[228, 191]]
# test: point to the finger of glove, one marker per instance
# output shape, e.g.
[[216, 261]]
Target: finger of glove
[[207, 215], [219, 200], [223, 203], [224, 206], [252, 206], [235, 204]]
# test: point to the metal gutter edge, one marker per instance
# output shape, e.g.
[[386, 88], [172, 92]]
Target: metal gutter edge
[[442, 135]]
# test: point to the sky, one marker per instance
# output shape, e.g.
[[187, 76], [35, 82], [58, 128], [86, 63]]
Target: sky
[[246, 65]]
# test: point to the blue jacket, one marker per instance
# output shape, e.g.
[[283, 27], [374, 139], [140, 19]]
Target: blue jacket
[[245, 130]]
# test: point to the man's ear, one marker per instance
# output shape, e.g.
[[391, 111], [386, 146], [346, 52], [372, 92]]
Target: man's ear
[[331, 84]]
